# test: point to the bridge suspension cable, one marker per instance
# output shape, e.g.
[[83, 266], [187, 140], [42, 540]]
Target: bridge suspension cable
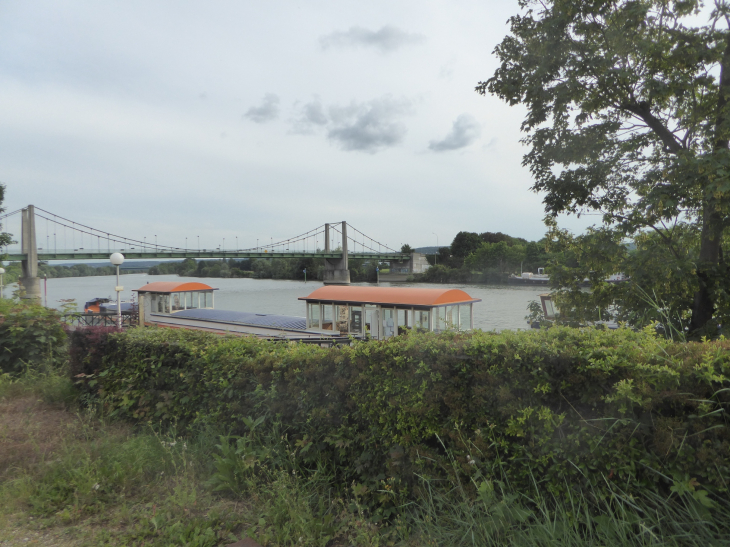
[[93, 240], [372, 241]]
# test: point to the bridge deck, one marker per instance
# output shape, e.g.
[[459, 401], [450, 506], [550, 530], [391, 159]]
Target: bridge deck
[[132, 255]]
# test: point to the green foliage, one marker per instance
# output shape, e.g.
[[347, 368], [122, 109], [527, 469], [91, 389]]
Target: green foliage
[[661, 277], [79, 270], [571, 409], [464, 244], [30, 334], [626, 116], [5, 238]]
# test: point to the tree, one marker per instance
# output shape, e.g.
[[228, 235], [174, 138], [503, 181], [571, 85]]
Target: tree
[[628, 115], [464, 244], [5, 238], [499, 256], [406, 249]]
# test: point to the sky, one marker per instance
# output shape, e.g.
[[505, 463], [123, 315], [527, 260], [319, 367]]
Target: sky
[[259, 120]]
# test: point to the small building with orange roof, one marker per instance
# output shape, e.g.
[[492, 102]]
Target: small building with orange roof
[[381, 312]]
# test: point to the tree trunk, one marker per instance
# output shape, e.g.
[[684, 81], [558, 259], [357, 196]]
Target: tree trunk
[[712, 225], [704, 301]]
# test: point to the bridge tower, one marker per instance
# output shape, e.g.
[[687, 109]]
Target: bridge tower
[[336, 270], [30, 280]]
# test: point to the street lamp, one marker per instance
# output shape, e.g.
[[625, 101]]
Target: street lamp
[[117, 259], [2, 271], [437, 248]]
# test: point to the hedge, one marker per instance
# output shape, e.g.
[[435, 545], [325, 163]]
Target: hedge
[[30, 334], [555, 409]]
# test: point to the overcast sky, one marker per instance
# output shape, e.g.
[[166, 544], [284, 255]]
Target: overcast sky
[[247, 119]]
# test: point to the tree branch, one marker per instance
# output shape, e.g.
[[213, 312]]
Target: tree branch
[[643, 111]]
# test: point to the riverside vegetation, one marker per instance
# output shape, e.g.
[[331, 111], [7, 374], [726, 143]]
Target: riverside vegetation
[[558, 437]]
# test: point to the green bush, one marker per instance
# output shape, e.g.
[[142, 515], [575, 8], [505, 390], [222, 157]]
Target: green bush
[[29, 334], [563, 409]]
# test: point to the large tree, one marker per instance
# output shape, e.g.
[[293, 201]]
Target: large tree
[[628, 115]]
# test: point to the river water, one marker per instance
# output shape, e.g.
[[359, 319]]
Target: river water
[[502, 306]]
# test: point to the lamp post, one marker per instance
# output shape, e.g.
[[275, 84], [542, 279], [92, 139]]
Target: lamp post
[[2, 271], [117, 259], [437, 248]]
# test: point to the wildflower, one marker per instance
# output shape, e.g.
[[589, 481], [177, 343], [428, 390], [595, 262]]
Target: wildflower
[[471, 461], [96, 486]]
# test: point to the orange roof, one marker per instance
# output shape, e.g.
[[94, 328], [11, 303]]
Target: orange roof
[[175, 286], [390, 295]]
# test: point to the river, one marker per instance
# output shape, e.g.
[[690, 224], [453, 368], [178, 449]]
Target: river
[[502, 306]]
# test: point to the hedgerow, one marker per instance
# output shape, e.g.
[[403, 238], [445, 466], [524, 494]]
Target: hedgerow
[[559, 409], [29, 334]]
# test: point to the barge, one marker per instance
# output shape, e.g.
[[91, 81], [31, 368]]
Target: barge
[[334, 314]]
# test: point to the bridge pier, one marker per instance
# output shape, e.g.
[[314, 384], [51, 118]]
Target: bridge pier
[[30, 281], [336, 270]]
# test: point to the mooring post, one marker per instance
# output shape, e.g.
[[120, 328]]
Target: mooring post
[[30, 281]]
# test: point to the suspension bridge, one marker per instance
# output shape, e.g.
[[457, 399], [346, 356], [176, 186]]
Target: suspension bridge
[[66, 239]]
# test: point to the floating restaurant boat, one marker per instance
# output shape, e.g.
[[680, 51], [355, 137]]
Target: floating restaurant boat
[[334, 313], [381, 312], [191, 305]]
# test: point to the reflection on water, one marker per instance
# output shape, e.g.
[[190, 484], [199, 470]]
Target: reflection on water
[[502, 306]]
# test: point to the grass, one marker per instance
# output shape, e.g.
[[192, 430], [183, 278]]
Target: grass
[[72, 477]]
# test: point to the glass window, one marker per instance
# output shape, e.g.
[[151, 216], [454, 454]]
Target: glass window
[[342, 318], [371, 323], [389, 324], [355, 319], [421, 322], [313, 315], [465, 317], [404, 320], [327, 317], [439, 319], [452, 317]]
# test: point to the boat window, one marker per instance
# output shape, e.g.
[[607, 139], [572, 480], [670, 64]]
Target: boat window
[[342, 318], [439, 319], [163, 303], [355, 319], [465, 317], [421, 322], [372, 328], [191, 300], [206, 299], [313, 315], [327, 316], [389, 324], [404, 320], [452, 317], [178, 301]]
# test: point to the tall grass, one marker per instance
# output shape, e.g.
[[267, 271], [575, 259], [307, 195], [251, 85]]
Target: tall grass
[[488, 512]]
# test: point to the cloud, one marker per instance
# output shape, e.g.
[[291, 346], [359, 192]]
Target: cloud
[[368, 127], [311, 116], [386, 39], [465, 131], [268, 111]]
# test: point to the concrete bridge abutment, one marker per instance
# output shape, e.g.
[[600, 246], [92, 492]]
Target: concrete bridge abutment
[[336, 270], [30, 281]]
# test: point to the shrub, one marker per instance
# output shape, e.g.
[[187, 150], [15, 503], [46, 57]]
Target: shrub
[[561, 408], [29, 334]]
